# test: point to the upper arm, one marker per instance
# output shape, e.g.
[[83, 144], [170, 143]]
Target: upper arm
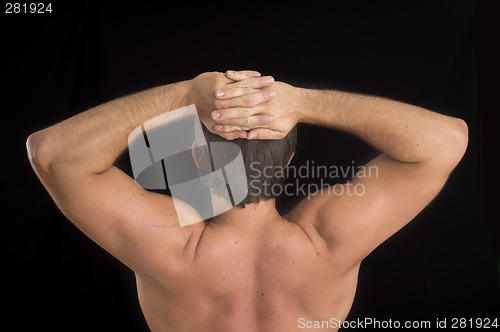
[[136, 226], [383, 197]]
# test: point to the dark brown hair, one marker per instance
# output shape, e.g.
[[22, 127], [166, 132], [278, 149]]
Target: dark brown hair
[[258, 155]]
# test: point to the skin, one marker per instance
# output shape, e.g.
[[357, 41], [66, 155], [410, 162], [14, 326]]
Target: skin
[[249, 269]]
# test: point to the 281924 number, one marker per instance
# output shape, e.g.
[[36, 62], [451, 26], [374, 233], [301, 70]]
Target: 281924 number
[[479, 323], [28, 8]]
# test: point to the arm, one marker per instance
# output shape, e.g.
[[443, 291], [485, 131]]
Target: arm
[[74, 158], [419, 149]]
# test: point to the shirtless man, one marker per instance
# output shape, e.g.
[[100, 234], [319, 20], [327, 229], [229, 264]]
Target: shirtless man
[[249, 269]]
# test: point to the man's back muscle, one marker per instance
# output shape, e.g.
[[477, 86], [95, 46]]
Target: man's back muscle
[[262, 281]]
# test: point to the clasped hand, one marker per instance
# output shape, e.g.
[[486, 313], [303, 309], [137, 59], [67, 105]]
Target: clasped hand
[[243, 104]]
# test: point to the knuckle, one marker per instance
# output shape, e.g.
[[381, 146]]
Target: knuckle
[[248, 101], [219, 77], [252, 82], [223, 115], [262, 120], [242, 112]]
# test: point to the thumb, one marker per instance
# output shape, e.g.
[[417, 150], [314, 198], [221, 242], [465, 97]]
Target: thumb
[[264, 133], [242, 74]]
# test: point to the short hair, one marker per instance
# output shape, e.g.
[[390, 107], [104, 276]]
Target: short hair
[[258, 155]]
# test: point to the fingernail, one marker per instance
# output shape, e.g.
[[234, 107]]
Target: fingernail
[[252, 136], [269, 80], [220, 93], [218, 127], [215, 115], [272, 94], [230, 73], [270, 119], [257, 75]]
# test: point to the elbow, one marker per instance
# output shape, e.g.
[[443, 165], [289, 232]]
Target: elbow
[[460, 137], [456, 142], [39, 152]]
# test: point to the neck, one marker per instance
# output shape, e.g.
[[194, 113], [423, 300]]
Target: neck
[[253, 216]]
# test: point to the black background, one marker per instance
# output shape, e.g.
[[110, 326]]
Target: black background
[[434, 54]]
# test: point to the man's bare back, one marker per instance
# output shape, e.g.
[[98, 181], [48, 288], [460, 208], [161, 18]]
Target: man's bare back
[[248, 269], [253, 272]]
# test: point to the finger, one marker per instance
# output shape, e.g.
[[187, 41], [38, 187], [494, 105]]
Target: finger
[[220, 129], [248, 123], [241, 74], [233, 135], [246, 101], [233, 92], [234, 113], [255, 83], [244, 87], [265, 133]]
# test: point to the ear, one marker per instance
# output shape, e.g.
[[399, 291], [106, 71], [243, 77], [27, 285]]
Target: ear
[[291, 157]]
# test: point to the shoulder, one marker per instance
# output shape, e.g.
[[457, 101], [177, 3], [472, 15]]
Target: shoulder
[[304, 215], [308, 215], [157, 241]]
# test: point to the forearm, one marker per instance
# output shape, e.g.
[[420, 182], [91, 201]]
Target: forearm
[[404, 132], [91, 141]]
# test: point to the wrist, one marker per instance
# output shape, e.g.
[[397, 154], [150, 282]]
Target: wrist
[[320, 107], [306, 110], [187, 97], [178, 94]]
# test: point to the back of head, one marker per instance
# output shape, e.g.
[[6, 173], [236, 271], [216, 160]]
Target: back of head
[[265, 162]]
